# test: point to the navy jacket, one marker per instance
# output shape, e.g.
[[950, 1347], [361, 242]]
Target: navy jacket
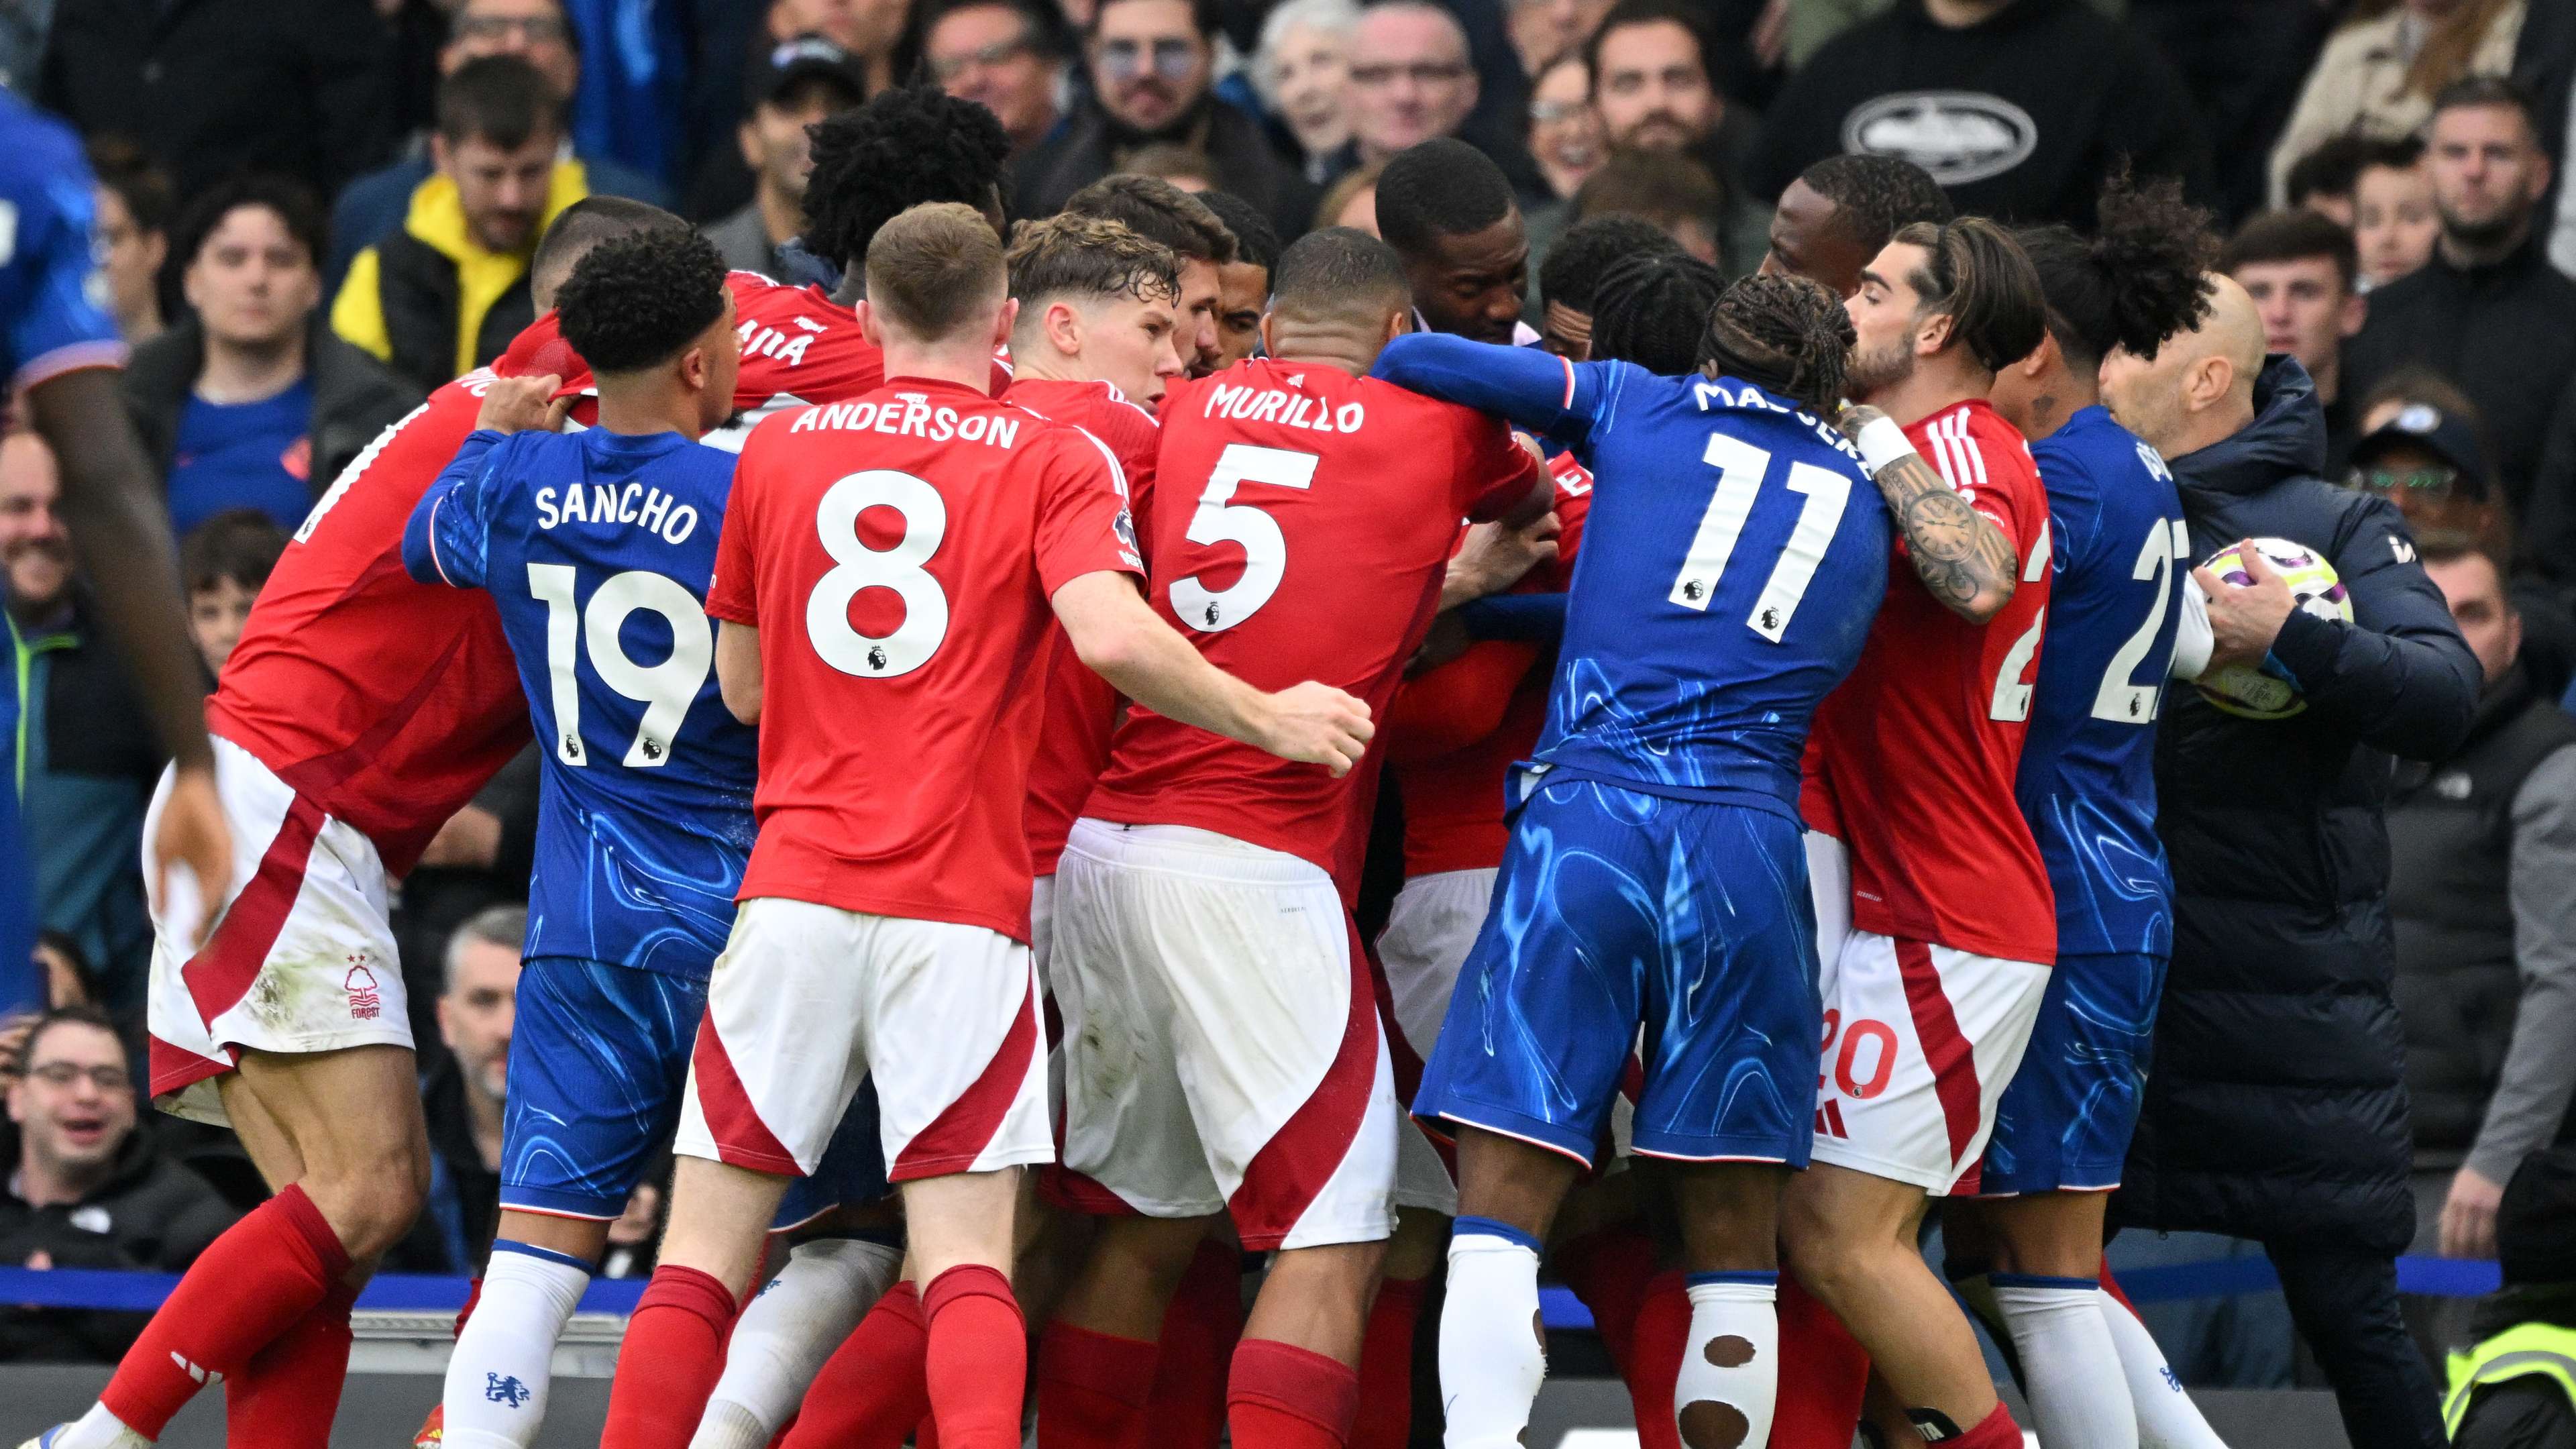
[[2276, 1106]]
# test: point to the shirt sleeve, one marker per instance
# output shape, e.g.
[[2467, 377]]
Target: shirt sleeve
[[448, 538], [1083, 523], [2539, 1073], [1535, 389], [60, 327], [1495, 472], [2398, 676], [731, 588]]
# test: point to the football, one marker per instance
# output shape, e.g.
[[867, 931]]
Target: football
[[2258, 691]]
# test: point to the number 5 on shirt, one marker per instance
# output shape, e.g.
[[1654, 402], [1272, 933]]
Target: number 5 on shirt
[[1219, 519]]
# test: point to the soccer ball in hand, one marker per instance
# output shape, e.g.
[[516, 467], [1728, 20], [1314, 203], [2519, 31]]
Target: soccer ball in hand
[[2256, 691]]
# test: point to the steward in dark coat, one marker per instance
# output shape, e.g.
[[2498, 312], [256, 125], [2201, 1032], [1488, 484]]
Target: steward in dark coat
[[2276, 1105]]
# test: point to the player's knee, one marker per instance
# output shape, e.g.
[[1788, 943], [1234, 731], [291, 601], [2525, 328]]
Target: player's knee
[[371, 1202], [1829, 1261]]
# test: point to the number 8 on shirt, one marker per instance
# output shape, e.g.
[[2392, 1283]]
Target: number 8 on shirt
[[896, 553]]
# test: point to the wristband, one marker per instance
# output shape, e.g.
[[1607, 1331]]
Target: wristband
[[1881, 442]]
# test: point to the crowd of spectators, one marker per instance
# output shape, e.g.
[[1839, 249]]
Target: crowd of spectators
[[312, 212]]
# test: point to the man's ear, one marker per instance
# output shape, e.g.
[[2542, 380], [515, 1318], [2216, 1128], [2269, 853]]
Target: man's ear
[[1264, 330], [2354, 312], [747, 136], [868, 327], [1004, 321], [1398, 322], [1062, 325], [2040, 357], [1932, 333], [2207, 380], [439, 155], [693, 369]]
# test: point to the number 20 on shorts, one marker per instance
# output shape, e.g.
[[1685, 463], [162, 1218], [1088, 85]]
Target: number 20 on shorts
[[1841, 1068]]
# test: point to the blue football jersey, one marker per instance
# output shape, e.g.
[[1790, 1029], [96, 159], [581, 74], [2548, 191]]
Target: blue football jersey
[[598, 547], [1732, 560], [2087, 783]]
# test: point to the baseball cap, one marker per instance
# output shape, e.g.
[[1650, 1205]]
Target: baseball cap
[[2446, 435], [807, 57]]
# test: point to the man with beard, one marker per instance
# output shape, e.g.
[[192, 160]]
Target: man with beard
[[1654, 81], [1448, 211], [2488, 311], [1937, 928], [1151, 64], [86, 755]]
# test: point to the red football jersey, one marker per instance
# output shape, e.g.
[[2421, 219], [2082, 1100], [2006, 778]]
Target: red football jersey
[[1305, 520], [1081, 707], [1912, 759], [898, 553], [1453, 800], [798, 347], [386, 702]]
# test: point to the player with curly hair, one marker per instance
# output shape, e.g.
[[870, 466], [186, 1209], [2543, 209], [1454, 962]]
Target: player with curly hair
[[903, 148], [1650, 310], [2086, 788], [1737, 556], [1159, 211], [646, 778]]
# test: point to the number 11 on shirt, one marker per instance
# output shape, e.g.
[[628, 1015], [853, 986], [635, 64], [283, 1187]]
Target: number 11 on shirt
[[1741, 467]]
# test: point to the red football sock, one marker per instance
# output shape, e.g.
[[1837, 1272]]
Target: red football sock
[[250, 1286], [673, 1354], [870, 1393], [1385, 1416], [1200, 1329], [1609, 1272], [1824, 1372], [1995, 1431], [289, 1392], [1655, 1359], [1092, 1388], [977, 1361], [1281, 1396], [473, 1295]]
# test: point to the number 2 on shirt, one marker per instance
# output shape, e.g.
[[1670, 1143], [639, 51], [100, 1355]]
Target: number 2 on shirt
[[1740, 468]]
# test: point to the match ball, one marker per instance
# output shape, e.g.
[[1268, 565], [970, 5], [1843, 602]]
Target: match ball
[[2257, 691]]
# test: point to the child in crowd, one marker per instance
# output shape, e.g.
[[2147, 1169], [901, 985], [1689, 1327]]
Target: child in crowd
[[223, 562]]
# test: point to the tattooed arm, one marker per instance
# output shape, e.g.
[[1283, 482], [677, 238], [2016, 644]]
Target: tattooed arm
[[1957, 552]]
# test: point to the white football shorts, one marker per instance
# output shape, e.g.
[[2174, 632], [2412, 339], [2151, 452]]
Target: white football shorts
[[809, 1000], [1228, 1055], [1920, 1042], [302, 958]]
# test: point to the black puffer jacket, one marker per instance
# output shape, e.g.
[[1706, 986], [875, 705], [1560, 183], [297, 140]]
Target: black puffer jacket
[[2276, 1106]]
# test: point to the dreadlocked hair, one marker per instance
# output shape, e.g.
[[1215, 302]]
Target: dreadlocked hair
[[903, 148], [1648, 310], [1783, 333], [2141, 278]]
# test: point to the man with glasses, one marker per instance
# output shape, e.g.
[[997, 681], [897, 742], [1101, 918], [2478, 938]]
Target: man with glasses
[[88, 1191], [1002, 55], [537, 32], [1410, 80], [1151, 64]]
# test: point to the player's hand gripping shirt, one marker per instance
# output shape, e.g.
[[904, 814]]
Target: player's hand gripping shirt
[[1303, 521], [1454, 789], [2087, 784], [1733, 556], [1913, 760], [1082, 707], [597, 547], [897, 554]]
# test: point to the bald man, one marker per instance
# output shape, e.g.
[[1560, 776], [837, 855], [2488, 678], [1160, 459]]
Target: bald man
[[2276, 1109]]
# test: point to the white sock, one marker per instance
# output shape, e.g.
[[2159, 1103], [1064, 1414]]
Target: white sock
[[1492, 1356], [1731, 1369], [786, 1332], [99, 1429], [504, 1360], [2069, 1362], [2167, 1418]]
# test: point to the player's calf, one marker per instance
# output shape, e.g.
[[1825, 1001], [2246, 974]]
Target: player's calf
[[1729, 1380], [354, 1118]]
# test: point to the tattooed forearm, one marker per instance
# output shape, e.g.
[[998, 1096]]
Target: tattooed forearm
[[1959, 555]]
